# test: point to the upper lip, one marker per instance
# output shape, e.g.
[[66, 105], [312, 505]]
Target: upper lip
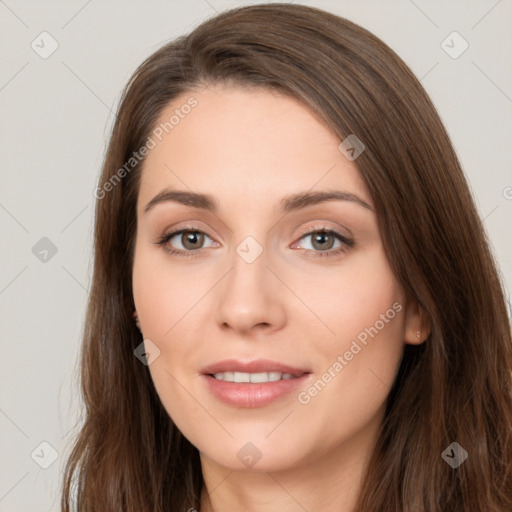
[[256, 366]]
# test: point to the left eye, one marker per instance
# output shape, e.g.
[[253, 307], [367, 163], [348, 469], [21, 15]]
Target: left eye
[[323, 240]]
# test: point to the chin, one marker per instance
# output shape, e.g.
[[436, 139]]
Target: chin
[[249, 458]]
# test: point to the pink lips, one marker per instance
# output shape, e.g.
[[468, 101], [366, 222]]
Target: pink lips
[[259, 365], [248, 394]]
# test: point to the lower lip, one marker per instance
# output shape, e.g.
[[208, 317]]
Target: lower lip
[[251, 395]]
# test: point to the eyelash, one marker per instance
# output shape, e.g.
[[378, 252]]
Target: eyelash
[[347, 242]]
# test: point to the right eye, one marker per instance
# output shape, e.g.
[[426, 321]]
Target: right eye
[[188, 238]]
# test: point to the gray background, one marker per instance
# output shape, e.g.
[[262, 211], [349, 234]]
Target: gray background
[[56, 114]]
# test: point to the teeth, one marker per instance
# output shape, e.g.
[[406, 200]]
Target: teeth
[[239, 377]]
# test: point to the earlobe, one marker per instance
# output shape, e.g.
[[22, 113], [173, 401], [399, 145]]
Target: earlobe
[[417, 328], [136, 318], [420, 337]]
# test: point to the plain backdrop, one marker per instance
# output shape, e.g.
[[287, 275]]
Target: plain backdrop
[[56, 115]]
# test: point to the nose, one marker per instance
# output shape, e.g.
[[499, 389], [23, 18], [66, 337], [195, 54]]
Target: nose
[[250, 297]]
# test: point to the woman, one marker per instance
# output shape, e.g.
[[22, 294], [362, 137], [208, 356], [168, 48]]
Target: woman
[[294, 305]]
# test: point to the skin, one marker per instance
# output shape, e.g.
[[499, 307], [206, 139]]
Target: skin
[[249, 149]]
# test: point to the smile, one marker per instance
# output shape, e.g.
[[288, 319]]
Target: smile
[[251, 384], [261, 377]]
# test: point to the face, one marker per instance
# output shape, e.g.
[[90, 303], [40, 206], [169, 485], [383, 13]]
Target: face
[[254, 283]]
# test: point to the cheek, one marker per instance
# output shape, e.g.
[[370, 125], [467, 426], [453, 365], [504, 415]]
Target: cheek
[[359, 360], [357, 301], [162, 297], [163, 294]]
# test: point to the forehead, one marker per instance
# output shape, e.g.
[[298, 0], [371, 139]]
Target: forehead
[[254, 144]]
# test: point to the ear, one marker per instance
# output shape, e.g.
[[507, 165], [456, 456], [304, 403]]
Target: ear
[[136, 318], [417, 327]]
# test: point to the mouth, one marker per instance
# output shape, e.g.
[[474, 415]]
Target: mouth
[[252, 384], [261, 370], [255, 378]]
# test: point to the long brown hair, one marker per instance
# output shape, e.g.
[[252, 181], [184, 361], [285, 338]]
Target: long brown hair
[[455, 387]]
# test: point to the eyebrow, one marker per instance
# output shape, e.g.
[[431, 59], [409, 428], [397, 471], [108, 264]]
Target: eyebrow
[[287, 204]]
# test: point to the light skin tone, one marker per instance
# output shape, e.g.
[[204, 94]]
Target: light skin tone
[[249, 149]]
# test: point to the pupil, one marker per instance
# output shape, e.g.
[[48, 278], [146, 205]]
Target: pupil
[[192, 238], [320, 238]]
